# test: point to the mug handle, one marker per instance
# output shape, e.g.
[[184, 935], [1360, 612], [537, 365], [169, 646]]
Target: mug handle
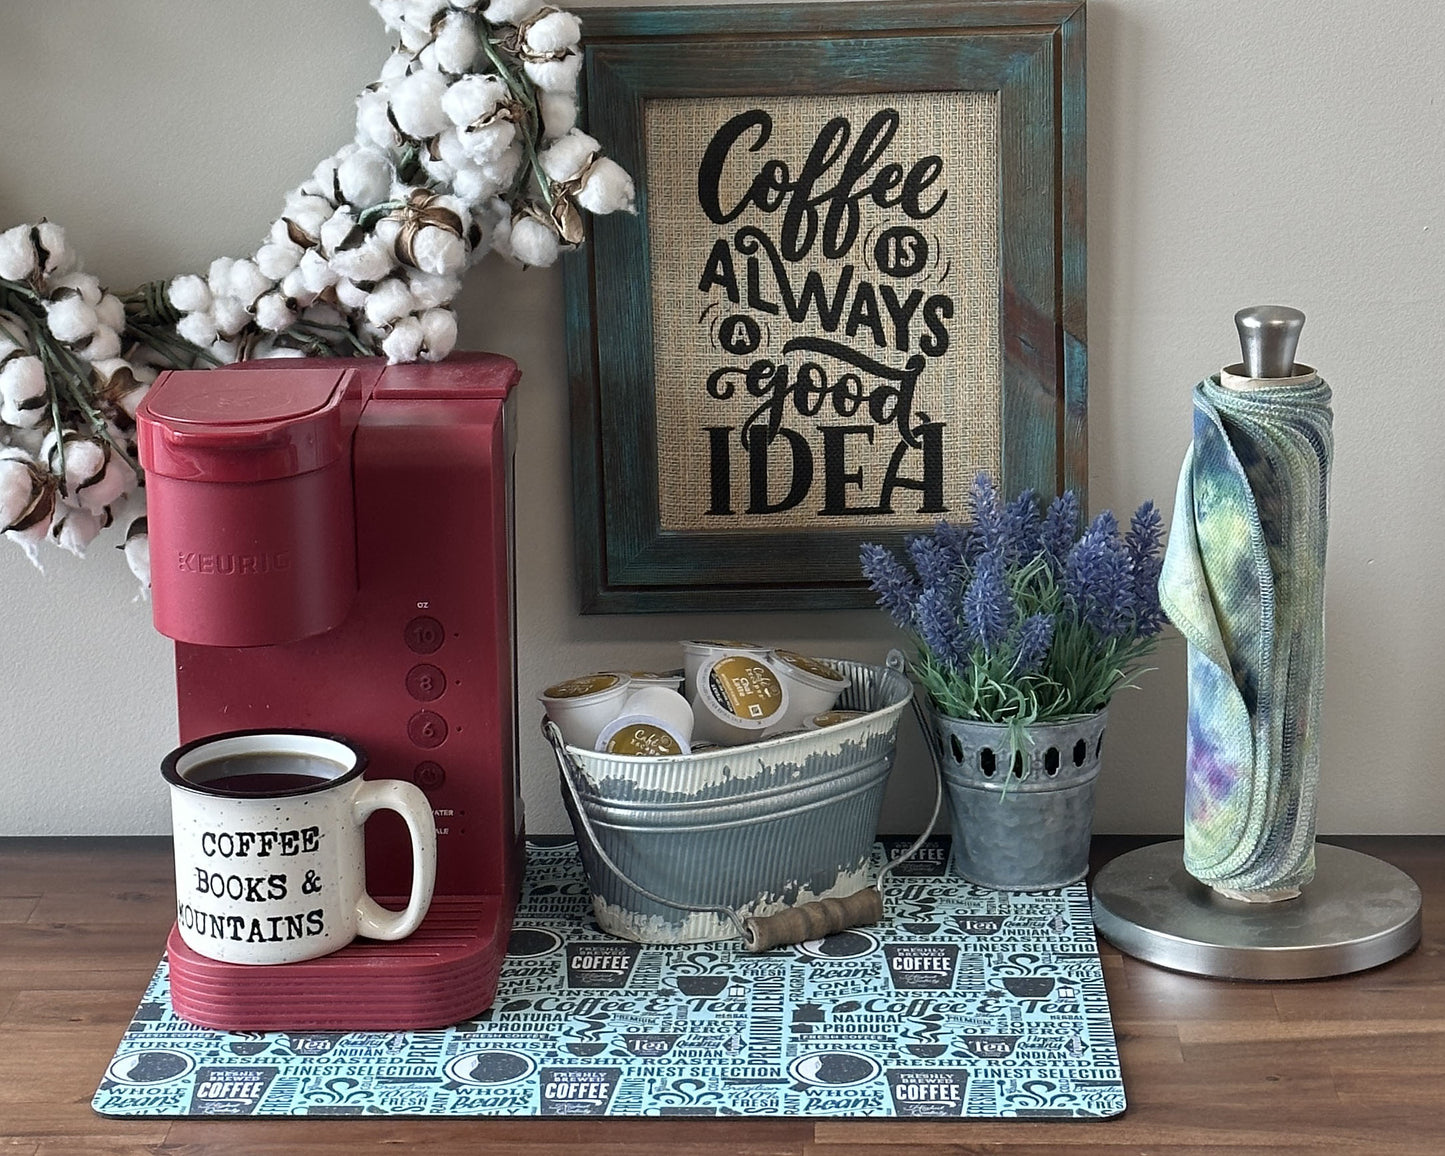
[[372, 919]]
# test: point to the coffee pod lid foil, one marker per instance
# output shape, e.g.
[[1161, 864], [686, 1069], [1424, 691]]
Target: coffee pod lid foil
[[584, 687], [642, 735], [811, 670], [831, 718]]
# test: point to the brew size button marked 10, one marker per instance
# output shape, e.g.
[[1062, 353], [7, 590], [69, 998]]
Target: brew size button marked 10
[[424, 635], [425, 682], [426, 729]]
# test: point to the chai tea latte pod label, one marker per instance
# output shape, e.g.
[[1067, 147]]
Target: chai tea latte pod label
[[587, 684], [813, 666], [640, 738], [745, 687]]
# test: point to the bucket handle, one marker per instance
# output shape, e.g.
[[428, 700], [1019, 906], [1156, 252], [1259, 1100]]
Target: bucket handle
[[812, 920]]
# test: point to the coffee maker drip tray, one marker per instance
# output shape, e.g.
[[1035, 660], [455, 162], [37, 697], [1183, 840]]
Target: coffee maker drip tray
[[443, 973]]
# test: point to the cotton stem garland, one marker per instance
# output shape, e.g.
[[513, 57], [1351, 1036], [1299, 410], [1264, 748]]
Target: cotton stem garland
[[466, 144]]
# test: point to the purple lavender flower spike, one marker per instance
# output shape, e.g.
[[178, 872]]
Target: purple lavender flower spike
[[1060, 529], [987, 607], [1036, 635], [933, 560], [1145, 541], [1022, 527], [956, 540], [896, 588], [1098, 581], [988, 523], [939, 628]]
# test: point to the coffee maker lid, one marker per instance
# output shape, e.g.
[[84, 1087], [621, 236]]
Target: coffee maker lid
[[227, 426]]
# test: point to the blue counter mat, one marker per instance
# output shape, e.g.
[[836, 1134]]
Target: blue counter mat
[[963, 1002]]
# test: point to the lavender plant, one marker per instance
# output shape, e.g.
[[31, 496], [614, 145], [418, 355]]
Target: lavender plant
[[1022, 617]]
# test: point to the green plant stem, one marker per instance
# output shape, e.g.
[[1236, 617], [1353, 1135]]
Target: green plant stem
[[525, 93]]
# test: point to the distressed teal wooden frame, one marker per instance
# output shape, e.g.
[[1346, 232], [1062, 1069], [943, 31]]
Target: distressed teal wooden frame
[[1031, 52]]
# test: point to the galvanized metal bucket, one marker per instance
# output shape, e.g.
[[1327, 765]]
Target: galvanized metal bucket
[[682, 849], [1022, 820]]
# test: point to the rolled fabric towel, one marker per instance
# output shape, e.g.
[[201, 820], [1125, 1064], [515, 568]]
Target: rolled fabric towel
[[1243, 580]]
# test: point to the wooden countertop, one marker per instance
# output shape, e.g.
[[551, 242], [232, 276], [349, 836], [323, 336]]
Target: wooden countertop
[[1355, 1064]]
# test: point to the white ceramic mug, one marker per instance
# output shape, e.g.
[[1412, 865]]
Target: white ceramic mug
[[269, 846]]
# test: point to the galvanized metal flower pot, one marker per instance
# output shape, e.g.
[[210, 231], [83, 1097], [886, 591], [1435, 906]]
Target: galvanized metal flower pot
[[1021, 822]]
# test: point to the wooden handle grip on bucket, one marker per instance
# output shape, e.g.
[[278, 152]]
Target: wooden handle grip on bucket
[[815, 920]]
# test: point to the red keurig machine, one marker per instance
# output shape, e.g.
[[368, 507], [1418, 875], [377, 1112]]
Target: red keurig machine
[[331, 548]]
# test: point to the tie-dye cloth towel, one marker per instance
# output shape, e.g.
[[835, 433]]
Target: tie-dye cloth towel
[[1243, 580]]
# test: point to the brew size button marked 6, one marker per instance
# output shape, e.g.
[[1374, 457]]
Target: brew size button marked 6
[[426, 729]]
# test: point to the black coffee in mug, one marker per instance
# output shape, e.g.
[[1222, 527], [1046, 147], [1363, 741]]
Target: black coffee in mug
[[252, 774]]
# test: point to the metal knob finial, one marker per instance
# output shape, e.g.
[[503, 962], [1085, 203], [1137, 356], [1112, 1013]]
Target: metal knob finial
[[1268, 338]]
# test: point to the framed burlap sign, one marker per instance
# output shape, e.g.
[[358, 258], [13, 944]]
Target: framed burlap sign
[[855, 279]]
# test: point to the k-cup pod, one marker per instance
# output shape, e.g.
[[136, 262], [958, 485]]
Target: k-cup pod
[[830, 718], [697, 651], [813, 685], [740, 699], [645, 735], [581, 707], [672, 679], [661, 703]]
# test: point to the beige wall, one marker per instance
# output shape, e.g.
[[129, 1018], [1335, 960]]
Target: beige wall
[[1239, 152]]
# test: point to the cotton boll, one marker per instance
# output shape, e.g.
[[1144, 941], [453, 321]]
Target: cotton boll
[[486, 143], [474, 184], [565, 158], [403, 343], [116, 482], [199, 328], [533, 243], [473, 97], [17, 254], [269, 352], [50, 244], [340, 231], [274, 313], [439, 333], [138, 552], [556, 75], [450, 149], [104, 343], [189, 293], [24, 395], [316, 272], [276, 259], [365, 177], [437, 169], [429, 290], [293, 288], [439, 251], [502, 237], [71, 319], [111, 311], [555, 33], [231, 315], [416, 104], [18, 481], [559, 113], [323, 314], [372, 260], [388, 301], [511, 11], [350, 295], [373, 119], [504, 169], [247, 282], [303, 217], [218, 276], [456, 44], [74, 530], [87, 285]]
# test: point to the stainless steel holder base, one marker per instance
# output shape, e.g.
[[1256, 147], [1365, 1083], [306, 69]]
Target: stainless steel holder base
[[1357, 913]]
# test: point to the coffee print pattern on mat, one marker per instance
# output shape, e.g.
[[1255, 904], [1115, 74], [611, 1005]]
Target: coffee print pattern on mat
[[961, 1003]]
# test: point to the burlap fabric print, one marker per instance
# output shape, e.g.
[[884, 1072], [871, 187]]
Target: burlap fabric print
[[851, 346]]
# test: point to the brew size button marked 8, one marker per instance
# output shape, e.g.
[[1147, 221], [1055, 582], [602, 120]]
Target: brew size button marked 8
[[426, 729], [429, 775], [425, 682], [424, 635]]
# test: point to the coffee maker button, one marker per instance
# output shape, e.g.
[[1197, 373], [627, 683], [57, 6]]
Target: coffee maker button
[[425, 682], [424, 635], [428, 776], [426, 729]]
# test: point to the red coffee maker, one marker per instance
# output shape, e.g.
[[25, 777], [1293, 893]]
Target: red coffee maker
[[332, 548]]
